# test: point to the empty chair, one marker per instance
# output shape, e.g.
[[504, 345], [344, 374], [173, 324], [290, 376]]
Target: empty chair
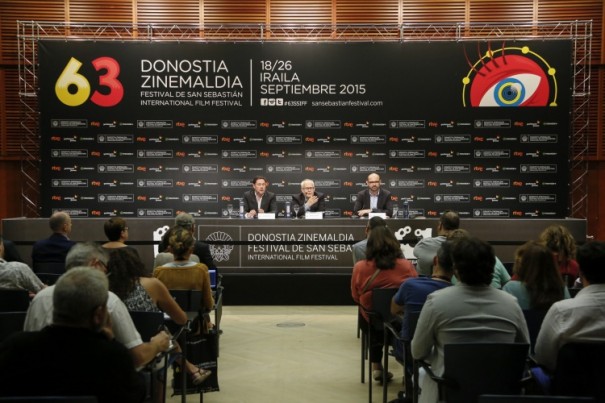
[[533, 399], [11, 322], [13, 300], [474, 369], [580, 370]]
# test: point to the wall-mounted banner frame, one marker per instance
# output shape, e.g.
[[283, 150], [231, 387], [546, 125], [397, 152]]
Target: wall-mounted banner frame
[[149, 129]]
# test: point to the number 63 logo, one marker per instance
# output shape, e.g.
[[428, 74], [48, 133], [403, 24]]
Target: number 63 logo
[[71, 77]]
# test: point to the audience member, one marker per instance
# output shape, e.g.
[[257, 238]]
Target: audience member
[[11, 254], [500, 276], [384, 267], [471, 311], [579, 319], [359, 248], [559, 240], [539, 284], [182, 273], [75, 357], [259, 200], [40, 312], [48, 255], [413, 293], [127, 279], [166, 257], [17, 275], [308, 199], [426, 248], [374, 199], [116, 232], [201, 250]]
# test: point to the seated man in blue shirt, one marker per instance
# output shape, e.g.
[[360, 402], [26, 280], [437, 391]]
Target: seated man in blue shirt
[[412, 294]]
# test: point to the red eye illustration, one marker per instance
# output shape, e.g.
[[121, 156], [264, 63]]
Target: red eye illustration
[[509, 80]]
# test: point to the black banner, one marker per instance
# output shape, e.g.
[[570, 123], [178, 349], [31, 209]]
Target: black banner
[[150, 129]]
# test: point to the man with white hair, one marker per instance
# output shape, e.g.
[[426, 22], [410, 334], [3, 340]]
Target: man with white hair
[[76, 355], [308, 199]]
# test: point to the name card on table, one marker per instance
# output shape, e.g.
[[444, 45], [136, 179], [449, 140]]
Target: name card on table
[[266, 216], [381, 215], [314, 215]]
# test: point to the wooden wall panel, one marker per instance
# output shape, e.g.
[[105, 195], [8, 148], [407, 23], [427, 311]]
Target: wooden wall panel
[[504, 11], [433, 11], [119, 11], [232, 12], [163, 12], [13, 114], [300, 12], [367, 12]]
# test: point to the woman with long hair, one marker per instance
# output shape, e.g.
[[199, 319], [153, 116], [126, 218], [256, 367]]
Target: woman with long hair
[[128, 280], [539, 283], [562, 244], [384, 267]]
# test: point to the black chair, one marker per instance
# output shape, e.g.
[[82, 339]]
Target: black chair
[[580, 370], [14, 300], [533, 399], [534, 319], [44, 399], [380, 313], [391, 334], [11, 322], [475, 369], [48, 278], [49, 267], [148, 324]]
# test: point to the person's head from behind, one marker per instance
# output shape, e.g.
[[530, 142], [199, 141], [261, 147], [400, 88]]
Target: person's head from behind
[[124, 269], [442, 262], [474, 261], [536, 268], [60, 222], [80, 298], [181, 243], [591, 259], [185, 220], [559, 240], [458, 233], [449, 221], [383, 248], [115, 229], [373, 223], [87, 254]]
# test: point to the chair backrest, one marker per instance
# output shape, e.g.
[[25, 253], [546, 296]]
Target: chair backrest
[[148, 324], [534, 319], [43, 399], [474, 369], [49, 267], [580, 370], [48, 278], [13, 300], [533, 399], [188, 300], [11, 322], [381, 306]]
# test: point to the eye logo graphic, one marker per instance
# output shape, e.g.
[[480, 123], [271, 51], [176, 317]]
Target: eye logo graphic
[[509, 77]]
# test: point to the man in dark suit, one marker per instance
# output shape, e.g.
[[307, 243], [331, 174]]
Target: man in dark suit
[[200, 249], [308, 199], [259, 200], [48, 255], [374, 199]]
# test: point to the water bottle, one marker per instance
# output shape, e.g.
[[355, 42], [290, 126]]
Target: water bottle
[[287, 209], [406, 210], [241, 209]]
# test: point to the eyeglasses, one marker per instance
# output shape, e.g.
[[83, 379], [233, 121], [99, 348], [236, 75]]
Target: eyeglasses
[[309, 188]]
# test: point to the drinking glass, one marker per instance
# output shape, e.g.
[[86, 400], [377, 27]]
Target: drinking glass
[[230, 210], [296, 207], [395, 211]]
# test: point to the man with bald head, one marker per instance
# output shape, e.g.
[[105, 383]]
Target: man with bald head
[[374, 199], [48, 255]]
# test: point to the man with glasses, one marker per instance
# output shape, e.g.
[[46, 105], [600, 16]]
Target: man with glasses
[[374, 199], [308, 199]]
